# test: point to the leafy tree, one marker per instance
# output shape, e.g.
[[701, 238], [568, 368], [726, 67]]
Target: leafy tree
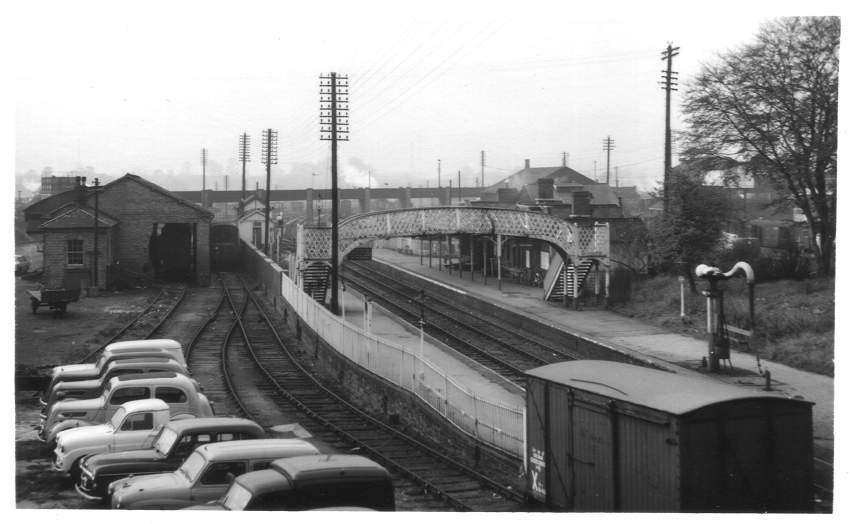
[[690, 233], [772, 106]]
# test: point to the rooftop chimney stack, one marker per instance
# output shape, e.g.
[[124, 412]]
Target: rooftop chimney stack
[[527, 163]]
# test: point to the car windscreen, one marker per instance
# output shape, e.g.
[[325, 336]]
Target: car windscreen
[[192, 467], [166, 440], [236, 498], [118, 417]]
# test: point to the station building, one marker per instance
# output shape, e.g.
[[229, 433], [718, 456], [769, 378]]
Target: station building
[[143, 232]]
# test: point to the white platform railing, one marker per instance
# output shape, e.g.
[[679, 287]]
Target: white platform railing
[[492, 422]]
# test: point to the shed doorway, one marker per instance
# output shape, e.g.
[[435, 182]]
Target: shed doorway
[[173, 251]]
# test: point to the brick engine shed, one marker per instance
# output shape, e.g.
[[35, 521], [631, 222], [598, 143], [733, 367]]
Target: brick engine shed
[[144, 232]]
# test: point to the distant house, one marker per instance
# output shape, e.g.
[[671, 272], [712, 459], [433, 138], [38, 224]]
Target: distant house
[[562, 190], [252, 227]]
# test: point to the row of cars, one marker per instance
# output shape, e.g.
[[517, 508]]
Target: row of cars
[[136, 431]]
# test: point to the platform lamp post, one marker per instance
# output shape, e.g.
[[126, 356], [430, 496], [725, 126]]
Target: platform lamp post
[[718, 341]]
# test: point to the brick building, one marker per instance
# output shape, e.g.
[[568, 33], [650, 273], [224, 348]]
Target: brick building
[[144, 231]]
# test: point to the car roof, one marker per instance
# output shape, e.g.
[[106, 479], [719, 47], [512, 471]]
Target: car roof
[[257, 449], [159, 358], [130, 345], [146, 404], [215, 423], [263, 481], [328, 466], [157, 377]]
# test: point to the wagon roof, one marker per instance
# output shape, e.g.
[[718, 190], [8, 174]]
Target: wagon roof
[[661, 390]]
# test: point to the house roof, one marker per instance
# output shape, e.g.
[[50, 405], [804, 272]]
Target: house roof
[[46, 206], [252, 213], [78, 217], [646, 387], [560, 176]]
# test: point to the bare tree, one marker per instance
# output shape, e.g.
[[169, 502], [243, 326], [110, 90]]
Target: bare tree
[[772, 106]]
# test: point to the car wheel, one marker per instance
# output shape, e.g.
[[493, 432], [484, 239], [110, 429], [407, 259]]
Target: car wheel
[[75, 471]]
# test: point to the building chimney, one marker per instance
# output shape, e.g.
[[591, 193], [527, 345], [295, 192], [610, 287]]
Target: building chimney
[[527, 163]]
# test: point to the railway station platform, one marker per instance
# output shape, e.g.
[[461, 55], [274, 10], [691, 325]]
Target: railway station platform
[[677, 353], [461, 369]]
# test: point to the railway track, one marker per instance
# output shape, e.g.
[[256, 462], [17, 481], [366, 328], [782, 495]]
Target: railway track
[[508, 352], [276, 389], [147, 323]]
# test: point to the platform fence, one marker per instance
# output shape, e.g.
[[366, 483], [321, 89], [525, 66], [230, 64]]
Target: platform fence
[[488, 421]]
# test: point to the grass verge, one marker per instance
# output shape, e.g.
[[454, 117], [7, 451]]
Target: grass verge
[[794, 320]]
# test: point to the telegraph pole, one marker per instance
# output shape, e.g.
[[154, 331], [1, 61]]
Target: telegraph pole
[[244, 156], [268, 155], [204, 177], [668, 84], [482, 169], [333, 111], [438, 173], [608, 145], [96, 220], [459, 190]]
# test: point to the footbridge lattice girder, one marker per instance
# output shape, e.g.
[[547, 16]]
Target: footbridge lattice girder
[[573, 239]]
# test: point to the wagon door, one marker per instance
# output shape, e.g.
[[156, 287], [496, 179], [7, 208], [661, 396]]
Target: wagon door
[[593, 475]]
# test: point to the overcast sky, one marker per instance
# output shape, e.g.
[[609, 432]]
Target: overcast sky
[[144, 86]]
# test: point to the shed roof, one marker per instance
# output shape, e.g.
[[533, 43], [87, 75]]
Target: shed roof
[[158, 189], [659, 390]]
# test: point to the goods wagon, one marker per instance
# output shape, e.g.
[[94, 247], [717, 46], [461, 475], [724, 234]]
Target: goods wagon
[[606, 436], [225, 246]]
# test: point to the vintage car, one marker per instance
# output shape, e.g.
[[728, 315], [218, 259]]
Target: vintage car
[[22, 264], [205, 475], [81, 389], [313, 482], [116, 350], [181, 393], [134, 425], [175, 441]]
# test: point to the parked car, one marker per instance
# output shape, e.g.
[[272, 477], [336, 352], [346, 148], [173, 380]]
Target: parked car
[[313, 482], [134, 425], [205, 475], [117, 350], [181, 393], [175, 441], [82, 389], [22, 264]]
